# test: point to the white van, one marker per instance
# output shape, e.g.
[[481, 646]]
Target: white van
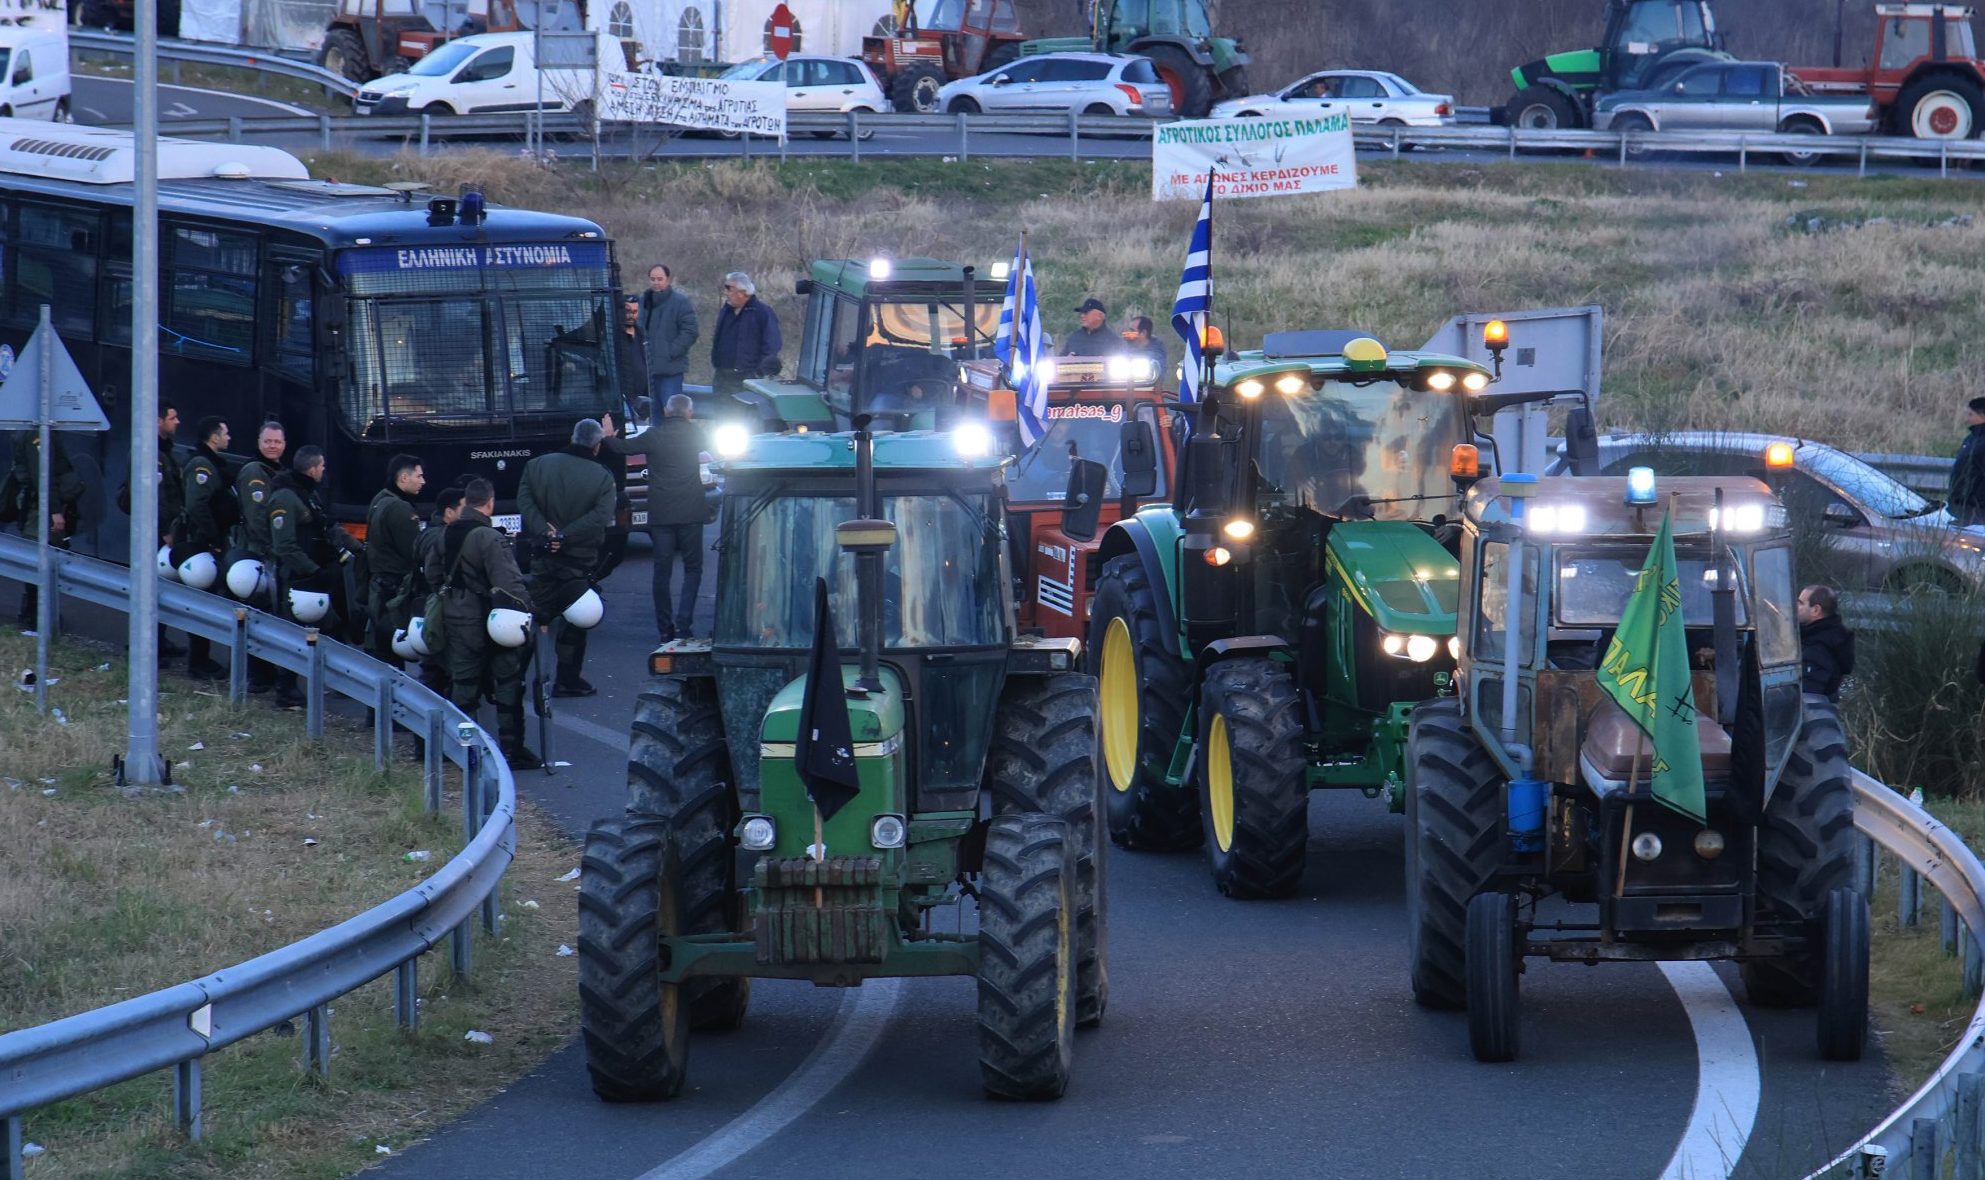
[[34, 71], [482, 74]]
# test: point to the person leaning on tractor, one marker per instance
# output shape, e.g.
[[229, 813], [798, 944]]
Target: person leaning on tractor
[[668, 329], [566, 498], [20, 499], [745, 342], [1827, 644], [1092, 338], [211, 514], [392, 526], [1968, 470], [478, 575], [677, 510]]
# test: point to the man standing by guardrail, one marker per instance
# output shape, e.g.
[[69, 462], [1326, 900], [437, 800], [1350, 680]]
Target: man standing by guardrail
[[20, 496], [210, 514], [1968, 470], [1826, 645]]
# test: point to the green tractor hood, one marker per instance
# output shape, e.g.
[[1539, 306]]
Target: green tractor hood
[[1398, 574], [881, 762]]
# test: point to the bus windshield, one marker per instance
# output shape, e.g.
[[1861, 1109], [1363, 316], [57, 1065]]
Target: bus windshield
[[1384, 441]]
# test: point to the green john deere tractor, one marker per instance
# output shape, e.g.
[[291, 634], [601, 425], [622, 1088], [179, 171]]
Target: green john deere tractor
[[975, 751], [1536, 825], [1177, 35], [885, 338], [1646, 42], [1269, 631]]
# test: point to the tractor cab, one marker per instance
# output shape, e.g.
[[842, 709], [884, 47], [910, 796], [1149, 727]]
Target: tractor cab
[[1645, 45], [887, 339]]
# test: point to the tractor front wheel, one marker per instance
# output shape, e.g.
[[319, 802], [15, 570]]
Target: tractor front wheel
[[1143, 684], [1494, 971], [1805, 851], [1253, 800], [678, 770], [1454, 825], [1027, 958], [1043, 759], [914, 91], [1540, 108], [1192, 90], [636, 1028], [1844, 977]]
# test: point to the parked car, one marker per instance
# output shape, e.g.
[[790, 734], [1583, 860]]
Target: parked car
[[482, 74], [34, 70], [831, 85], [1057, 83], [1371, 96], [1735, 96], [1882, 535]]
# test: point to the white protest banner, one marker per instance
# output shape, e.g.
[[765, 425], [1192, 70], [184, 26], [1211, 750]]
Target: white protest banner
[[707, 104], [1265, 157]]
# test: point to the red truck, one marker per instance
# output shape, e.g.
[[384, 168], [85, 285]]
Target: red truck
[[1924, 76]]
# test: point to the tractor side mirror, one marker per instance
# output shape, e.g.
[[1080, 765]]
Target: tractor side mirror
[[1581, 441], [1082, 513], [803, 287], [1212, 477], [1140, 458]]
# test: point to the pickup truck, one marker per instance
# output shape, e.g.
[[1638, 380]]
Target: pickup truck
[[1735, 96]]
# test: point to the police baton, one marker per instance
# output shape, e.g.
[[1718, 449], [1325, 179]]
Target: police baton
[[541, 662]]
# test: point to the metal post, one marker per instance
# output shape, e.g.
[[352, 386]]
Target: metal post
[[1395, 144], [1743, 153], [1947, 926], [1864, 160], [234, 128], [1974, 963], [487, 797], [435, 763], [1074, 137], [1970, 1130], [1924, 1149], [855, 134], [324, 131], [237, 660], [175, 71], [1865, 858], [44, 616], [461, 950], [313, 688], [406, 994], [10, 1143], [1909, 897], [964, 140], [424, 117], [186, 1099], [317, 1040], [472, 787], [382, 725], [141, 757]]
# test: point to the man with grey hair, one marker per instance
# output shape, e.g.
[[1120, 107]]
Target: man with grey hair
[[677, 510], [746, 340], [566, 499]]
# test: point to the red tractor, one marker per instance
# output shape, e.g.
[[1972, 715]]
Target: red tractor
[[370, 38], [960, 38], [1924, 76]]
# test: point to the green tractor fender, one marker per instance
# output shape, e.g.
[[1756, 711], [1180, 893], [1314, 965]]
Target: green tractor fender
[[1196, 50], [1571, 73], [1154, 537]]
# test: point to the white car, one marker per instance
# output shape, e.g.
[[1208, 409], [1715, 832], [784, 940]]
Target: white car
[[818, 85], [485, 73], [34, 69], [1371, 96], [1059, 83]]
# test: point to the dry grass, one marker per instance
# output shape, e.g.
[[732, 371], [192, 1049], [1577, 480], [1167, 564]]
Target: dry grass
[[105, 896], [1917, 992], [1720, 315]]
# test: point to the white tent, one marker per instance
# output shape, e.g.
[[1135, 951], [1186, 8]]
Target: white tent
[[692, 31]]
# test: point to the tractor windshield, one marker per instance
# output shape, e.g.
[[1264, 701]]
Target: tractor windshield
[[1665, 23], [1383, 441], [1593, 588], [1095, 430], [939, 579]]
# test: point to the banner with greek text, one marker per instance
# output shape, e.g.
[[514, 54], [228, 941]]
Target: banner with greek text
[[705, 104], [1268, 157]]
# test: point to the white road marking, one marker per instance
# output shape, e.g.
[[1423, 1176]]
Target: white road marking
[[1727, 1082], [286, 108], [856, 1028]]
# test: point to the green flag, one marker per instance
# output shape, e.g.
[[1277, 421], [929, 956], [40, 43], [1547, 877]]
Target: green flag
[[1646, 670]]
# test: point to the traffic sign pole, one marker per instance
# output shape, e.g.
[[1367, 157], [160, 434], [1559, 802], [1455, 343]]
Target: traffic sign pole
[[141, 758], [44, 614]]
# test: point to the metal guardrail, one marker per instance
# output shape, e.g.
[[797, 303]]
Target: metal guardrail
[[177, 1026], [267, 61], [1927, 474]]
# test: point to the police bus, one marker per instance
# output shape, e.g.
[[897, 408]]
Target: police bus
[[369, 321]]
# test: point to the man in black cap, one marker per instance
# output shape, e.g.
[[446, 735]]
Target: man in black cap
[[1092, 338]]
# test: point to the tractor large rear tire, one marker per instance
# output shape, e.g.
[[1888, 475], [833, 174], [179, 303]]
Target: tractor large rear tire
[[1454, 825], [1143, 684], [678, 770], [1805, 851], [1940, 106], [1027, 958], [1192, 89], [1254, 799], [1043, 759], [343, 53], [914, 91], [636, 1028]]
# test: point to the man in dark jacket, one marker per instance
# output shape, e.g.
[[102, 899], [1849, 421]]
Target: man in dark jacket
[[676, 509], [20, 499], [210, 516], [1968, 471], [253, 485], [746, 340], [1828, 644], [392, 525], [477, 573], [310, 549], [172, 502], [1092, 338], [668, 330], [447, 510], [566, 499]]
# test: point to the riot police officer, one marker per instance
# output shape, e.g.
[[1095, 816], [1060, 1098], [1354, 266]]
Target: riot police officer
[[311, 551], [253, 486], [210, 515], [567, 501], [392, 526], [486, 608], [20, 500]]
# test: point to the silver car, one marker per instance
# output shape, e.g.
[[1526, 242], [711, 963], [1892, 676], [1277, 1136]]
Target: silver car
[[1060, 83], [1876, 534], [818, 85], [1370, 96]]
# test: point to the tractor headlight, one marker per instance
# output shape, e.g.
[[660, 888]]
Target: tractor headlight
[[1291, 385], [1440, 381], [1238, 529], [1709, 844], [1454, 648], [731, 440], [1569, 519], [1393, 645], [1739, 518], [887, 831], [1421, 648], [1250, 388], [1647, 846], [1143, 370], [880, 269], [758, 832], [1475, 382], [972, 440]]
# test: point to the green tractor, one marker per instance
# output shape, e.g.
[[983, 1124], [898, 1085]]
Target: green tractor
[[1535, 825], [1646, 42], [886, 338], [974, 749], [1177, 35], [1268, 631]]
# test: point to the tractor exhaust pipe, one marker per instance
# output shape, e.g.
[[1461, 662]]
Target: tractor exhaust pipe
[[867, 538]]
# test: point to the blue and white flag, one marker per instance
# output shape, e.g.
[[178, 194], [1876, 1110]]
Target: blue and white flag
[[1195, 299], [1017, 343]]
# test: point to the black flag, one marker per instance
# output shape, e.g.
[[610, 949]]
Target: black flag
[[825, 752]]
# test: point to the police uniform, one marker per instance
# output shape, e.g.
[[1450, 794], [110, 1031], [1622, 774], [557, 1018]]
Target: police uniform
[[477, 572], [252, 488], [309, 548], [172, 494], [211, 513], [392, 526], [433, 669], [570, 491], [20, 498]]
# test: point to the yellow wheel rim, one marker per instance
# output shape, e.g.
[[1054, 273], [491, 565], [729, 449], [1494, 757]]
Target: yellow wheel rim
[[1118, 693], [1220, 783]]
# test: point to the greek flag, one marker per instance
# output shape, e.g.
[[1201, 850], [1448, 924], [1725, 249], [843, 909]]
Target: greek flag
[[1195, 299], [1017, 343]]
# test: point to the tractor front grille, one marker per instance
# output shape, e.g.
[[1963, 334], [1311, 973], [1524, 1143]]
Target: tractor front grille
[[819, 911]]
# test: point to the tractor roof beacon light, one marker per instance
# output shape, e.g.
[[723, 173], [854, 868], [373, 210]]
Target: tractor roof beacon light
[[1495, 338], [1464, 464], [1365, 355], [1640, 487], [1212, 341], [1778, 457]]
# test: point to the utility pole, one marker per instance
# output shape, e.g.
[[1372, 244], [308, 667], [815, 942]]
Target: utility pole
[[141, 758], [1839, 26]]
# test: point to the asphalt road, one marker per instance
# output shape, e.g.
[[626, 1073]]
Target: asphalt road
[[108, 100]]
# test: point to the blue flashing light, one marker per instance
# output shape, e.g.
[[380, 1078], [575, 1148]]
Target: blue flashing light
[[1640, 486]]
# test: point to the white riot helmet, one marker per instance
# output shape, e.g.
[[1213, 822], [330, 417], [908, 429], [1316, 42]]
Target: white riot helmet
[[586, 610], [167, 570], [309, 606], [509, 628], [403, 646], [417, 637], [200, 571], [248, 578]]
